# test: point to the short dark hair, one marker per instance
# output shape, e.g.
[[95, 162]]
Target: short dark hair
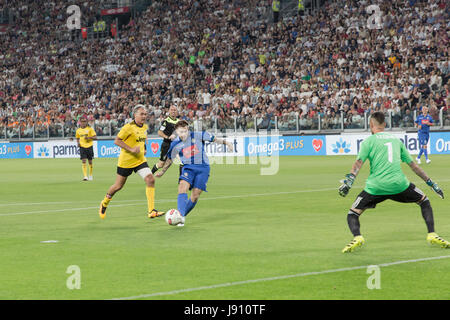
[[181, 124], [378, 116]]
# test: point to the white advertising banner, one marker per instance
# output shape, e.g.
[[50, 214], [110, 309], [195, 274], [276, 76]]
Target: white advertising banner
[[349, 144], [59, 149], [219, 150]]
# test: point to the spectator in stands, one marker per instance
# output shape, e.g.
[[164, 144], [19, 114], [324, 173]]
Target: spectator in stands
[[226, 51]]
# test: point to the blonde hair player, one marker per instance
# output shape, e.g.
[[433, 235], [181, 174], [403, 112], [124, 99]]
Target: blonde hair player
[[131, 139]]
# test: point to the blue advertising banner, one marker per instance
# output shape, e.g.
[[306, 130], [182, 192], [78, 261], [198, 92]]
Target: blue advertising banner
[[440, 142], [285, 145], [16, 150], [107, 149], [153, 147]]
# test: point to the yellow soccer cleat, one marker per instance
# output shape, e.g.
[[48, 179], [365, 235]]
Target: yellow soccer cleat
[[433, 238], [155, 213], [357, 241], [102, 211]]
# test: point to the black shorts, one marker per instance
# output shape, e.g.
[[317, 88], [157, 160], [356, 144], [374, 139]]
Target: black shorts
[[164, 148], [87, 153], [368, 201], [125, 172]]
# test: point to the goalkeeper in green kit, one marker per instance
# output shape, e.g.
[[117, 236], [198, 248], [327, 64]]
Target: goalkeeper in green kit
[[387, 181]]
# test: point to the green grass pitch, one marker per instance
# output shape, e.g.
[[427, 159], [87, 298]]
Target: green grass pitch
[[246, 227]]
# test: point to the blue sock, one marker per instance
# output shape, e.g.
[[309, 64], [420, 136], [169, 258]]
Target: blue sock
[[182, 202], [420, 153], [425, 152], [189, 206]]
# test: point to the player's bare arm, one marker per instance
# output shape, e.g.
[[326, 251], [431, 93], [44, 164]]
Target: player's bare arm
[[356, 167], [347, 183], [91, 138], [164, 168], [120, 143], [223, 141], [165, 136], [419, 171], [422, 174]]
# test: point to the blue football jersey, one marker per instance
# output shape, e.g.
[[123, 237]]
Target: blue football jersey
[[424, 122], [192, 150]]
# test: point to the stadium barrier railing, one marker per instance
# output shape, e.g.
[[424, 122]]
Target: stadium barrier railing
[[292, 123]]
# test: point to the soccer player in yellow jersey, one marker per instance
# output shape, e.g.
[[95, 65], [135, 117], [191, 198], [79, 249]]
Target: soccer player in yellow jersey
[[131, 139], [85, 140]]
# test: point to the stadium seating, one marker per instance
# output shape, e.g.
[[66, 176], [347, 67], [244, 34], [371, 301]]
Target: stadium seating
[[226, 65]]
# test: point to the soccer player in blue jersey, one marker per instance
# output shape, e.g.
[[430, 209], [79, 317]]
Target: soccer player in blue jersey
[[424, 122], [190, 147]]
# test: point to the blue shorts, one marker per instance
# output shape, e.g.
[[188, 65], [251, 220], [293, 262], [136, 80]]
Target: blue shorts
[[196, 176], [423, 139]]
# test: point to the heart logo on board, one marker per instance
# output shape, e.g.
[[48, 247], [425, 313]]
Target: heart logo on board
[[317, 144], [28, 149], [155, 147]]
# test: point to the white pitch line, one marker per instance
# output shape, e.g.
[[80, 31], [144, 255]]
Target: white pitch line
[[165, 201], [50, 202], [136, 200], [61, 210], [298, 275]]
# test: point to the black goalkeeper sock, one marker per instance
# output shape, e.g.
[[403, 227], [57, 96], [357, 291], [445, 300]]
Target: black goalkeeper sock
[[154, 169], [353, 222], [427, 214]]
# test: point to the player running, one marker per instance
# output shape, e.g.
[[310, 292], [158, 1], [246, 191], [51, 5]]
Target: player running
[[85, 136], [166, 131], [387, 181], [131, 139], [423, 122], [190, 146]]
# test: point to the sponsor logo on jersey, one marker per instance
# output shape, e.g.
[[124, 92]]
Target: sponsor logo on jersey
[[190, 151]]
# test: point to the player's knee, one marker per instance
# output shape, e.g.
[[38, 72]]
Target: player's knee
[[195, 194], [183, 186], [354, 211], [149, 180], [424, 202]]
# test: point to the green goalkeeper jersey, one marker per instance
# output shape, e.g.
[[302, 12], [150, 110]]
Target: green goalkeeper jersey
[[385, 153]]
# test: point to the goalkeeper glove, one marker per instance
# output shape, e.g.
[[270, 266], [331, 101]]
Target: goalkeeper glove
[[346, 184], [435, 188]]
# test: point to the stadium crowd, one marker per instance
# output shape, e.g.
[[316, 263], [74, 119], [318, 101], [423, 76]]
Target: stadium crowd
[[226, 63]]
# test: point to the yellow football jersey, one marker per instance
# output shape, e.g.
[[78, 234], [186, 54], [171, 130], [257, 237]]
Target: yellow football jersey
[[82, 134], [133, 136]]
